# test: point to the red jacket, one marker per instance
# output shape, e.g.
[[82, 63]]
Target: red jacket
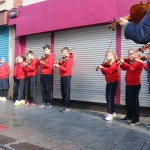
[[133, 72], [19, 71], [111, 73], [65, 69], [4, 71], [47, 67], [31, 69]]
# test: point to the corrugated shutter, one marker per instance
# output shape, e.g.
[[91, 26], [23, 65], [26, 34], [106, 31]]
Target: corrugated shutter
[[4, 42], [90, 45], [144, 97], [36, 43]]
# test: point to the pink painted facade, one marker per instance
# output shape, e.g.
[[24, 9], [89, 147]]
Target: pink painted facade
[[52, 15], [20, 46]]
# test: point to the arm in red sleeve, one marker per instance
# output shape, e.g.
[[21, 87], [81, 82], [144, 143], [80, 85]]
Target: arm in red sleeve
[[32, 66], [123, 66], [68, 66], [109, 70], [7, 68], [134, 66], [24, 69], [37, 62], [50, 63], [144, 66], [103, 72]]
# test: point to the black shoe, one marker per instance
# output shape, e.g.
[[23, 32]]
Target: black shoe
[[134, 122], [126, 118], [148, 125]]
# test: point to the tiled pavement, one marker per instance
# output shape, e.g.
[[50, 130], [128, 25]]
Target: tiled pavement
[[33, 128]]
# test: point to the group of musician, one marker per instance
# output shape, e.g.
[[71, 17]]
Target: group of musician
[[133, 67], [25, 73]]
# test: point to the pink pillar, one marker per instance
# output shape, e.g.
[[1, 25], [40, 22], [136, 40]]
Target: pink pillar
[[20, 46], [118, 51]]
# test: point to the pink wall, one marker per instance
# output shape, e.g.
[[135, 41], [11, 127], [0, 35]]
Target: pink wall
[[20, 46], [52, 15]]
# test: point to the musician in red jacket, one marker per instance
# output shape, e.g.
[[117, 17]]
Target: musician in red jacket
[[19, 75], [65, 68], [46, 63], [4, 79], [111, 76], [133, 85], [31, 69]]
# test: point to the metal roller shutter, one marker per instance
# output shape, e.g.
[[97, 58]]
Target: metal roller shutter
[[4, 42], [90, 45], [36, 43], [144, 97]]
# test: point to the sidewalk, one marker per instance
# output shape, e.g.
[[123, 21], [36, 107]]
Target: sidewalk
[[33, 128]]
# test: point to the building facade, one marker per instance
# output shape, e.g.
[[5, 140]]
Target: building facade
[[80, 25]]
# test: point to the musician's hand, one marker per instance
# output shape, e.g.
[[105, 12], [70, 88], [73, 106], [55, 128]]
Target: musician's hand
[[25, 64], [57, 66], [138, 60], [120, 61], [123, 22], [42, 62], [100, 66]]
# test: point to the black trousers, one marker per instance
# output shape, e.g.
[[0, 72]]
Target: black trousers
[[18, 89], [132, 101], [15, 89], [46, 87], [111, 89], [31, 89], [4, 93], [65, 90]]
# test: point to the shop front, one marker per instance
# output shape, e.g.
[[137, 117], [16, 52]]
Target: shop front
[[84, 31]]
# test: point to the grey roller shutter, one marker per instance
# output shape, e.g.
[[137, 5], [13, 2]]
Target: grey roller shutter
[[90, 45], [144, 97], [36, 43]]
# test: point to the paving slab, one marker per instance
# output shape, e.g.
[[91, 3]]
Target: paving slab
[[34, 128]]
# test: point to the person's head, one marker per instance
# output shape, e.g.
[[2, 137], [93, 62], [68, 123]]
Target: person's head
[[30, 55], [20, 59], [47, 49], [65, 51], [2, 60], [111, 56], [133, 53], [24, 57]]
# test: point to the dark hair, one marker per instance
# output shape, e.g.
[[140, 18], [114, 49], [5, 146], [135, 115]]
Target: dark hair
[[23, 57], [30, 52], [65, 48], [46, 46]]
